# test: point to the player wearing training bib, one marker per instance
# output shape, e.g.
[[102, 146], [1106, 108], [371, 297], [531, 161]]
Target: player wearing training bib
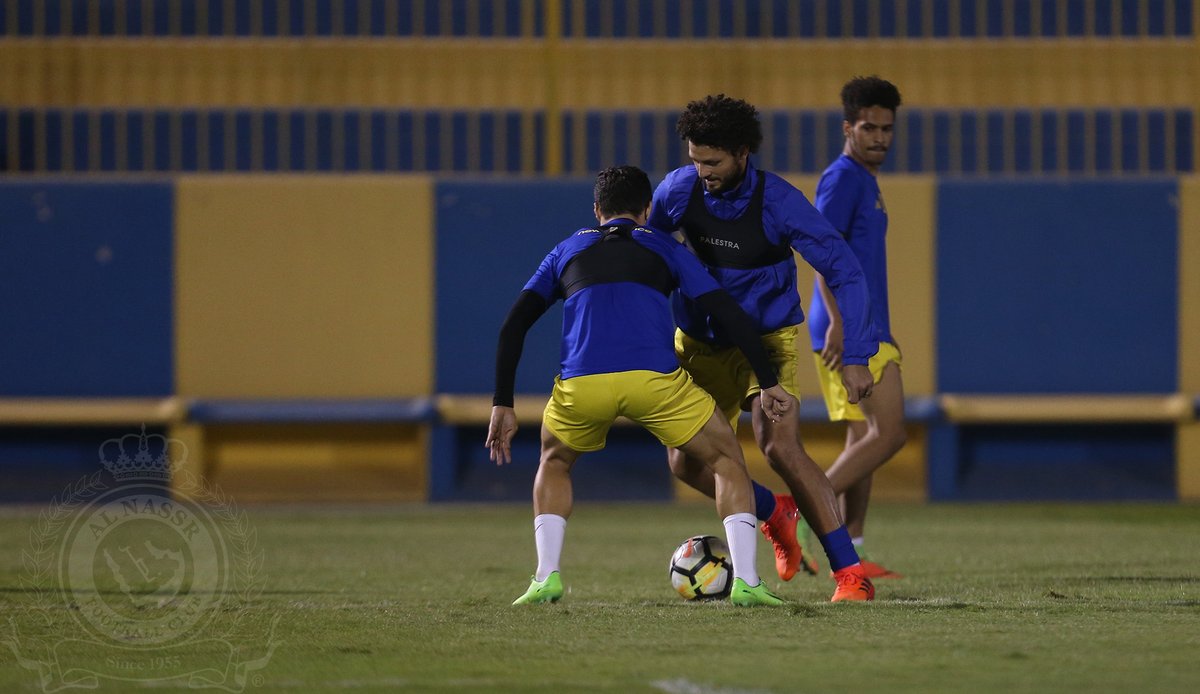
[[618, 360], [744, 224]]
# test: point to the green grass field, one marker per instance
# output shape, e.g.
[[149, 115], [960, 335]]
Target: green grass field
[[997, 598]]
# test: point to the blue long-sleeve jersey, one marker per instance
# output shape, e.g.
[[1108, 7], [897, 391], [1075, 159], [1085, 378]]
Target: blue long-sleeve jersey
[[626, 325], [849, 197], [768, 292]]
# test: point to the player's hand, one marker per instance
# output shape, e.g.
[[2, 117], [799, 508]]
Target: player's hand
[[776, 402], [858, 381], [501, 431], [831, 355]]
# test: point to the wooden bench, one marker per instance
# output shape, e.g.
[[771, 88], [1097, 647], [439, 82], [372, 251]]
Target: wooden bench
[[310, 449], [60, 412], [457, 458], [467, 410], [49, 443], [1103, 422], [1051, 409]]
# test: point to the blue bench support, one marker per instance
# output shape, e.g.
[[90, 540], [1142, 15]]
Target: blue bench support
[[1187, 456], [47, 444], [209, 422], [1078, 446]]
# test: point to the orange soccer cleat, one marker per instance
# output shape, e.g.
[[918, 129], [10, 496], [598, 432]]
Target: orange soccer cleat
[[852, 584], [780, 529], [873, 570]]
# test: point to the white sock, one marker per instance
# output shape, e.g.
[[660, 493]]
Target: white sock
[[741, 532], [857, 542], [548, 532]]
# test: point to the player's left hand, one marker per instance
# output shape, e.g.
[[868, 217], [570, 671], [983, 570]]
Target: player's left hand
[[501, 431], [831, 355], [776, 402], [858, 381]]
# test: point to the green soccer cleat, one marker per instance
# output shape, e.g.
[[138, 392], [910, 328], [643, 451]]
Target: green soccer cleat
[[743, 595], [549, 590]]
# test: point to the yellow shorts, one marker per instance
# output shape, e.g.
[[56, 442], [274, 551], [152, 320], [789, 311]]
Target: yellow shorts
[[726, 374], [670, 406], [836, 399]]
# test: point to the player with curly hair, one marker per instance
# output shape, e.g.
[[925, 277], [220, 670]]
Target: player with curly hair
[[848, 196], [744, 223]]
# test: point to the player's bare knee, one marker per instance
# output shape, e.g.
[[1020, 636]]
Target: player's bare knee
[[892, 436], [680, 464], [785, 459], [784, 445], [554, 463], [727, 466]]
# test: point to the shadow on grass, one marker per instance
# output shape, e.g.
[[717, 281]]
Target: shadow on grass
[[115, 591], [1149, 579]]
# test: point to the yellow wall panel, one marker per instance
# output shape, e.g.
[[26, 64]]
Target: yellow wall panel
[[807, 373], [326, 462], [1187, 461], [566, 74], [304, 286], [1187, 443], [911, 277], [1189, 285]]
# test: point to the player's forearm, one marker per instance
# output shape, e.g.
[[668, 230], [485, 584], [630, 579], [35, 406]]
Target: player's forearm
[[831, 307], [853, 305], [528, 307], [742, 331]]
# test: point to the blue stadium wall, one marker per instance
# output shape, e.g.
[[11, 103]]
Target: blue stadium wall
[[1042, 286], [1058, 288]]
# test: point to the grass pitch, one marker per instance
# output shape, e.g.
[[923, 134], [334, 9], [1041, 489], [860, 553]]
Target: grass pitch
[[996, 598]]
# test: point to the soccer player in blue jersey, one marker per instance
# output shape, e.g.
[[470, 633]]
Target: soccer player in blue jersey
[[744, 223], [849, 197], [617, 359]]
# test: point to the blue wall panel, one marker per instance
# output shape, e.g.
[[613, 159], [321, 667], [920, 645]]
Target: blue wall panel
[[86, 276], [38, 463], [1065, 462], [1052, 287], [490, 239], [612, 18]]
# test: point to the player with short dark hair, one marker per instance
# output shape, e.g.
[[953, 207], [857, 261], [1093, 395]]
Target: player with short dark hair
[[849, 197], [744, 223], [615, 281]]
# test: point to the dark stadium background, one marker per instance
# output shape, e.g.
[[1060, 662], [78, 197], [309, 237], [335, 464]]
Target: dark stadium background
[[286, 232]]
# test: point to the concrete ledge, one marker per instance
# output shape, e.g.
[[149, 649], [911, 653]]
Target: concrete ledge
[[1055, 409], [51, 412], [476, 410], [309, 411]]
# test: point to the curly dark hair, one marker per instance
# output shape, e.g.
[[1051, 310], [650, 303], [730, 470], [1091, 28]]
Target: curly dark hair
[[722, 122], [622, 189], [865, 92]]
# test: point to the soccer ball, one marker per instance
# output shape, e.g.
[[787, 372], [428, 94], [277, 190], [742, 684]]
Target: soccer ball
[[701, 568]]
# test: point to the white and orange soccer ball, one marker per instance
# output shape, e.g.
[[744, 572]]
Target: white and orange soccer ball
[[701, 568]]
